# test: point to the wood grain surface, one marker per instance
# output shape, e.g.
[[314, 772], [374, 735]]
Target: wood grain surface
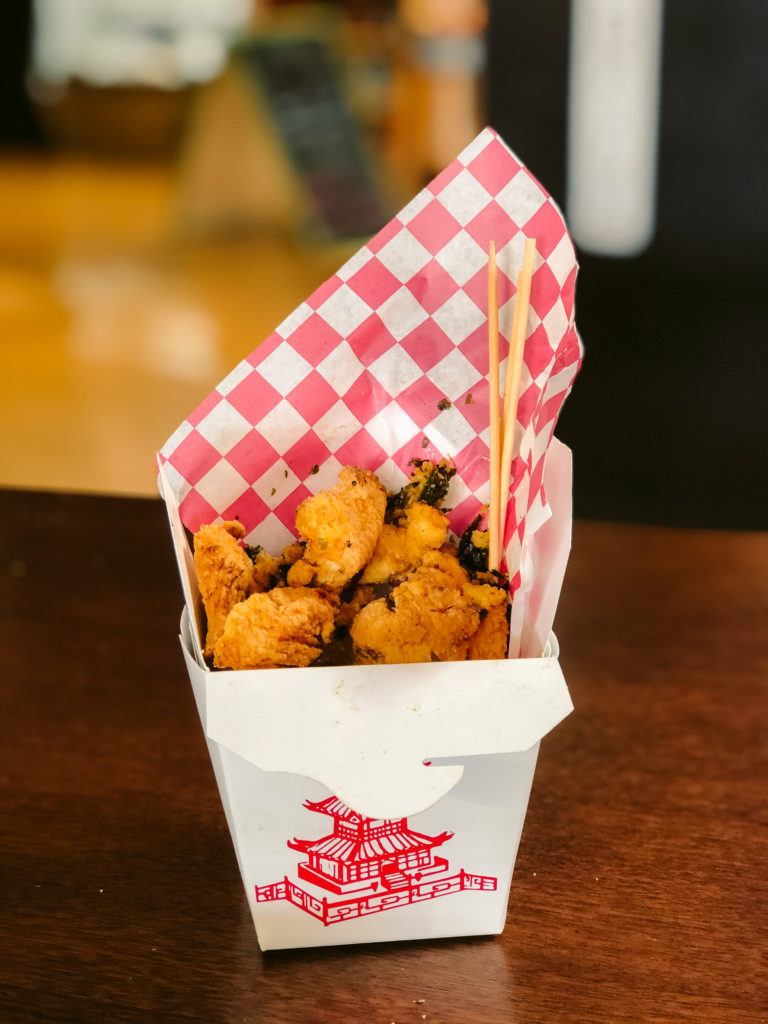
[[639, 892]]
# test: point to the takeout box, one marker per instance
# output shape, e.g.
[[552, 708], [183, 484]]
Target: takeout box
[[335, 818], [386, 802]]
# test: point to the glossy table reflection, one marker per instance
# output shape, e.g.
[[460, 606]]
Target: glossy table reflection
[[638, 888]]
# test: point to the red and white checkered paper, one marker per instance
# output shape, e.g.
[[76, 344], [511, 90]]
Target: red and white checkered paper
[[357, 374]]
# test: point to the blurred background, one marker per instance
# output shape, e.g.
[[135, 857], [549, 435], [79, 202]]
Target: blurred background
[[176, 176]]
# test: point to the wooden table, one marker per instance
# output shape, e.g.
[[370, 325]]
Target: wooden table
[[639, 892]]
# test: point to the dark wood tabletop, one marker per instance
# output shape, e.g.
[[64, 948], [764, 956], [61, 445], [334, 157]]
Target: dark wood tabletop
[[640, 887]]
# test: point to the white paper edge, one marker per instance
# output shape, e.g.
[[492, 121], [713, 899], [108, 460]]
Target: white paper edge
[[551, 546], [186, 564]]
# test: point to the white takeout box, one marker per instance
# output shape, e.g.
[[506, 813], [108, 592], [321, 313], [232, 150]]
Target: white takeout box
[[428, 851], [384, 802]]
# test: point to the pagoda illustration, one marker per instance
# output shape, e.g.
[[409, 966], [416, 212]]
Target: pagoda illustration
[[368, 865]]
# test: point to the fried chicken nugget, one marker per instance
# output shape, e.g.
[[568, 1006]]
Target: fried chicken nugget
[[431, 616], [426, 618], [421, 528], [264, 572], [341, 528], [224, 574], [492, 637], [286, 627]]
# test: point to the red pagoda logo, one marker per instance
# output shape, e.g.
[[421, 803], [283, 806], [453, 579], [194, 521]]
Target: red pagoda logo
[[372, 864]]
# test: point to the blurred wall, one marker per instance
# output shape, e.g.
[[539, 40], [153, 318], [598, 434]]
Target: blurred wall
[[669, 419]]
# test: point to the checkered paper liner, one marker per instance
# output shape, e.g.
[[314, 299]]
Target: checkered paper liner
[[388, 360]]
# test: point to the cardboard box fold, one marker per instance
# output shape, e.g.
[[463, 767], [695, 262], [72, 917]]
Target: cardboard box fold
[[364, 731]]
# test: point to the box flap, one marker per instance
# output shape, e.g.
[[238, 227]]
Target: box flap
[[364, 731]]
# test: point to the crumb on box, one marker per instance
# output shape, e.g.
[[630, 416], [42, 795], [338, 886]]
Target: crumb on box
[[469, 399], [444, 403]]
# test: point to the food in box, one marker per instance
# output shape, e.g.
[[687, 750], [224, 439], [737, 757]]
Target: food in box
[[351, 790]]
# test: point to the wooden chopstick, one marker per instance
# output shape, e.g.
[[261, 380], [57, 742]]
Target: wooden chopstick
[[494, 549], [512, 384]]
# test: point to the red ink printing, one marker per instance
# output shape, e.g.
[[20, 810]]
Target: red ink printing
[[373, 865]]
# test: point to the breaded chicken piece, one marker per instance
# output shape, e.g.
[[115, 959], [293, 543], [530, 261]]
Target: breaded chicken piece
[[426, 618], [341, 528], [292, 553], [446, 560], [420, 528], [431, 616], [286, 627], [492, 637], [486, 595], [224, 574], [264, 572], [227, 572]]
